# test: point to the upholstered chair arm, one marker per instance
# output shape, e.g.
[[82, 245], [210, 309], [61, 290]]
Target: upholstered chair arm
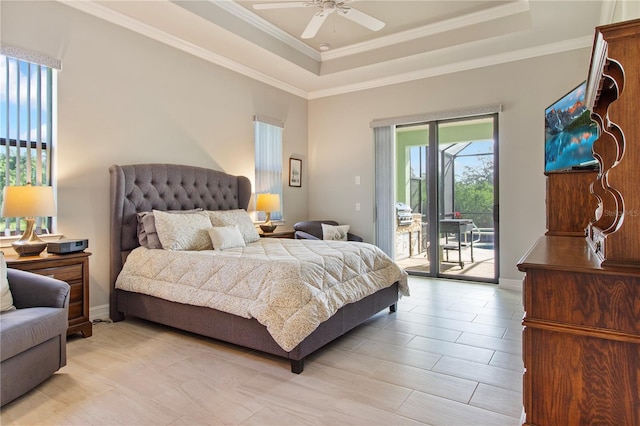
[[31, 290], [313, 227], [354, 237], [301, 235]]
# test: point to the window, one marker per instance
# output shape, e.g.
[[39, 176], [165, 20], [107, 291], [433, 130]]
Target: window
[[26, 130], [268, 140]]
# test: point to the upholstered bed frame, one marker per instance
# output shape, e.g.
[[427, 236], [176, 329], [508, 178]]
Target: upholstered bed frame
[[143, 187]]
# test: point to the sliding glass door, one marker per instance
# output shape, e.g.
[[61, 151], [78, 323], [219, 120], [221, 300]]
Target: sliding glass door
[[412, 188], [446, 190]]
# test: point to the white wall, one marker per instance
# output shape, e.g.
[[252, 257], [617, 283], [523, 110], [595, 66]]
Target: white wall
[[341, 142], [124, 99]]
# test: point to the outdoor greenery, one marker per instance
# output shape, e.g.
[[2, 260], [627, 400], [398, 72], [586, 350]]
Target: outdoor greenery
[[12, 163], [474, 193]]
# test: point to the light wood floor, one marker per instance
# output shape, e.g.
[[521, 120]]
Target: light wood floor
[[451, 355]]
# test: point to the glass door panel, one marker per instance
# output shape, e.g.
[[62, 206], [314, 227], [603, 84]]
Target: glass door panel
[[412, 200], [466, 199], [446, 195]]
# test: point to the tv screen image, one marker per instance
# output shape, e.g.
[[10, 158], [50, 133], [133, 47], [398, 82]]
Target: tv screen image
[[569, 133]]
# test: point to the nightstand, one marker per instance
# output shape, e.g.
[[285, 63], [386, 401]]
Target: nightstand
[[277, 234], [72, 268]]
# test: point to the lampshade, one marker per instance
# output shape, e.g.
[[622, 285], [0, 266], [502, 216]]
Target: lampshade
[[28, 201], [268, 202]]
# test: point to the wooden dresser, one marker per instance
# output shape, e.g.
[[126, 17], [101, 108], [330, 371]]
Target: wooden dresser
[[569, 203], [581, 291], [581, 339]]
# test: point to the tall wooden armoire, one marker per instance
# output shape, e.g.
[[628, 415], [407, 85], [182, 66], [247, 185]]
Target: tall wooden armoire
[[581, 337]]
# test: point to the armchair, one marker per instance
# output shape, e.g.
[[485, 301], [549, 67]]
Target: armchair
[[312, 230], [33, 336]]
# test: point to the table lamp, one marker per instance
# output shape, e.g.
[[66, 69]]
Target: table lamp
[[268, 203], [29, 202]]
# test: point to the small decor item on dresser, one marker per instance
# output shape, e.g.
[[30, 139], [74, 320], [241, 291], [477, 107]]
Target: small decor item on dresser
[[268, 203], [67, 246], [28, 201]]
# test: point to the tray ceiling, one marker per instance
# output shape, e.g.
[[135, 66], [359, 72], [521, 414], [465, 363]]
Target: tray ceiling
[[421, 38]]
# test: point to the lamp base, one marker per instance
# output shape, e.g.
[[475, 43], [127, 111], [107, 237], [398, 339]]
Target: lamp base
[[29, 244], [268, 228], [28, 248]]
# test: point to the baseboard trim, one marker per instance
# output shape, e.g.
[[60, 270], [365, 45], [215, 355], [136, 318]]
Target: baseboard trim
[[99, 312], [510, 284]]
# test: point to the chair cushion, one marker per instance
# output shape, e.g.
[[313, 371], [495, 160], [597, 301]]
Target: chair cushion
[[22, 329]]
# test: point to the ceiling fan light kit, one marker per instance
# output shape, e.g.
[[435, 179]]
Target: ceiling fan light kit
[[327, 7]]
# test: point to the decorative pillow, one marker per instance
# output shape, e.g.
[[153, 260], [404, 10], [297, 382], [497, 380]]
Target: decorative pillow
[[183, 231], [337, 233], [147, 234], [235, 217], [6, 300], [225, 237]]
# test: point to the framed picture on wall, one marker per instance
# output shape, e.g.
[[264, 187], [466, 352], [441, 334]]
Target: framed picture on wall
[[295, 172]]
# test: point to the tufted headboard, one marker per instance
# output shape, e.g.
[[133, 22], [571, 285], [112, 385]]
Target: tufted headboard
[[144, 187]]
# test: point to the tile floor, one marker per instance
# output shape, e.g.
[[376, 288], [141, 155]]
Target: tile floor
[[451, 355]]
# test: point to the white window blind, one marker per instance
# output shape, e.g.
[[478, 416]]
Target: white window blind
[[26, 130], [268, 151], [384, 140]]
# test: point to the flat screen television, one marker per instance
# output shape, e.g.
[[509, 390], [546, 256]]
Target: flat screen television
[[569, 133]]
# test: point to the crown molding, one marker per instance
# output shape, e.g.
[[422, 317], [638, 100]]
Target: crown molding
[[509, 9], [486, 61], [124, 21], [267, 27], [127, 22]]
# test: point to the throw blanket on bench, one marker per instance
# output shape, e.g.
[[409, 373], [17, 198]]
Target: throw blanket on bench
[[289, 286]]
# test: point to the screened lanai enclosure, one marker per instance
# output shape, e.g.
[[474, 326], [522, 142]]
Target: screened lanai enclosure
[[446, 190]]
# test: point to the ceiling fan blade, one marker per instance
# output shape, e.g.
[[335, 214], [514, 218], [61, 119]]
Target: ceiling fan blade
[[282, 5], [315, 24], [362, 18]]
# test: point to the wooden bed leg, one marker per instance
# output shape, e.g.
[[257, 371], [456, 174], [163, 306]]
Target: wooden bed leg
[[392, 308], [297, 366]]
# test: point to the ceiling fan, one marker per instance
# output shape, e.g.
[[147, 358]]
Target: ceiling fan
[[327, 7]]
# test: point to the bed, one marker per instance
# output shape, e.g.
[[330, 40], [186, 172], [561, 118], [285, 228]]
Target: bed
[[141, 287]]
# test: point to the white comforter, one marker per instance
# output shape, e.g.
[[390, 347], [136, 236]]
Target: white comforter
[[289, 286]]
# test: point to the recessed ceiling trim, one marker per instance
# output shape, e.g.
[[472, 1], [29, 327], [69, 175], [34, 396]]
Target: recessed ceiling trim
[[267, 27], [486, 61], [132, 24], [509, 9], [141, 28]]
